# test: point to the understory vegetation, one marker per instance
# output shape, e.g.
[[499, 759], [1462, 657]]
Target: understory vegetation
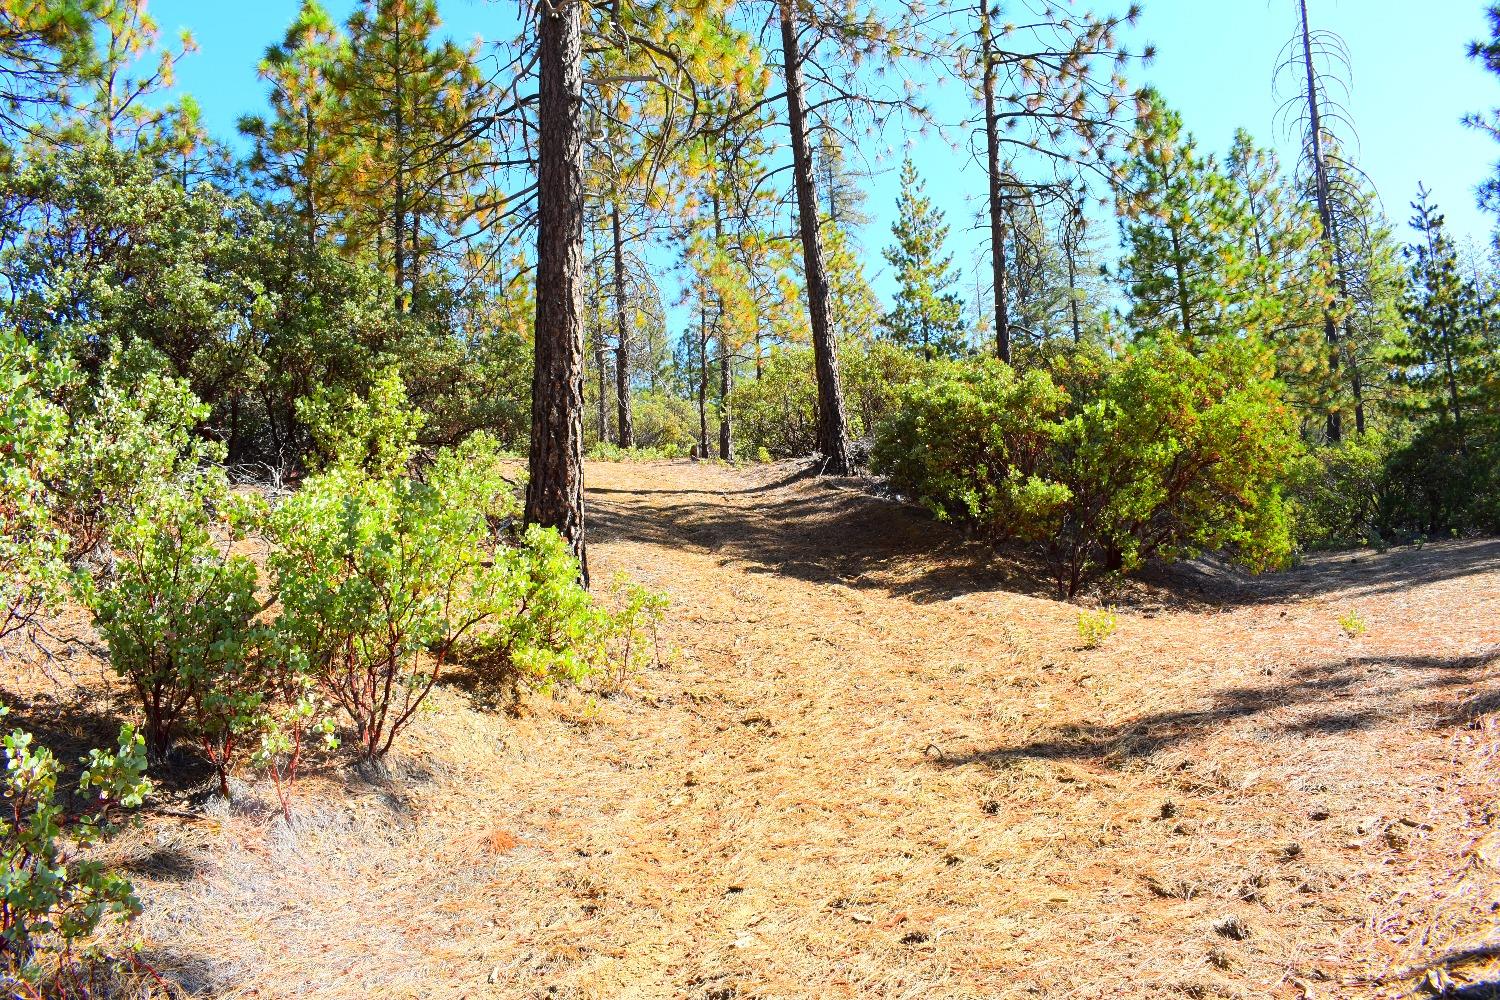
[[295, 418]]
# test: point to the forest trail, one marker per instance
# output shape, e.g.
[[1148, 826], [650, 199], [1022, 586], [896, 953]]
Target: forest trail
[[880, 764]]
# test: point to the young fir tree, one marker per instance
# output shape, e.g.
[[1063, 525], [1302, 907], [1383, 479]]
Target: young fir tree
[[1444, 351], [927, 316], [1285, 288], [1174, 202], [291, 154]]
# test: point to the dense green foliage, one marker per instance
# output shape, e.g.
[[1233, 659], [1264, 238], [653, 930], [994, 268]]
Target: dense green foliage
[[258, 413], [51, 898], [179, 616], [1167, 454]]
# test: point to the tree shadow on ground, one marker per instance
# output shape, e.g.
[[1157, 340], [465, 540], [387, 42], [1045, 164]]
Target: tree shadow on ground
[[188, 975], [71, 723], [824, 530], [820, 531], [1354, 573], [1324, 683]]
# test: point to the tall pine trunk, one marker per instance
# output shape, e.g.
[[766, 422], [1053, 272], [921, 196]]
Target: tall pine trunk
[[1325, 207], [833, 431], [702, 374], [622, 339], [554, 494], [601, 372], [996, 192], [726, 443], [1071, 252]]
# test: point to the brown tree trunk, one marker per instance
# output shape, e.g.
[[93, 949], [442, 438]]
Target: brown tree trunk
[[554, 494], [726, 443], [398, 141], [702, 376], [622, 340], [1073, 295], [996, 192], [833, 432], [1179, 268], [726, 430], [1325, 206], [601, 366]]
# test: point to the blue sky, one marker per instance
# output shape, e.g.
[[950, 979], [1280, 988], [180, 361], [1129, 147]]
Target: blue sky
[[1411, 85]]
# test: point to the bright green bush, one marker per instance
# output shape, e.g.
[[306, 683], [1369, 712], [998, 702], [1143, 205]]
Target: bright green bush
[[52, 899], [1335, 492], [1094, 627], [972, 444], [479, 473], [32, 571], [541, 627], [631, 638], [385, 582], [1352, 624], [544, 629], [664, 423], [606, 451], [1181, 453], [373, 573], [131, 428], [874, 377], [374, 433], [778, 411], [179, 615], [1173, 454]]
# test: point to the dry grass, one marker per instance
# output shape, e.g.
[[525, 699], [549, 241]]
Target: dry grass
[[881, 765]]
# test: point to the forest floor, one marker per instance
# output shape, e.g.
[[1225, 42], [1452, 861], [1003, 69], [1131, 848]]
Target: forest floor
[[880, 763]]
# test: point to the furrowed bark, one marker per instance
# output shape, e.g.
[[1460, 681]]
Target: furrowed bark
[[833, 431], [554, 494]]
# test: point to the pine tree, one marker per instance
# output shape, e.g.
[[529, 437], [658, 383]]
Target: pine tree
[[46, 51], [1444, 352], [927, 316], [291, 153], [1284, 288], [1174, 202], [1034, 69], [1487, 51], [410, 147]]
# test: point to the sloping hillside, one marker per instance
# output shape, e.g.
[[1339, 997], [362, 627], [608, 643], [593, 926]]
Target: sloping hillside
[[879, 763]]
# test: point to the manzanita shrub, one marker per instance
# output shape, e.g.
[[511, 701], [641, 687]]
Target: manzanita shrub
[[33, 573], [375, 579], [374, 433], [1166, 454], [972, 444], [385, 581], [1181, 453], [543, 629], [179, 613], [130, 430], [51, 898]]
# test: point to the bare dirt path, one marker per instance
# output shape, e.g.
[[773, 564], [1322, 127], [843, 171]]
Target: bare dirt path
[[880, 765]]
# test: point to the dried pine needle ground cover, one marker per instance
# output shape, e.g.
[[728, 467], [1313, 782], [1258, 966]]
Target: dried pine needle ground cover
[[882, 764]]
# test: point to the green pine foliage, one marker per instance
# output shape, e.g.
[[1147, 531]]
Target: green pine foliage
[[927, 317], [1449, 337]]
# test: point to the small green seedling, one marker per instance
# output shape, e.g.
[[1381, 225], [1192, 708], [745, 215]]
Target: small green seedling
[[1094, 627], [1352, 624]]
